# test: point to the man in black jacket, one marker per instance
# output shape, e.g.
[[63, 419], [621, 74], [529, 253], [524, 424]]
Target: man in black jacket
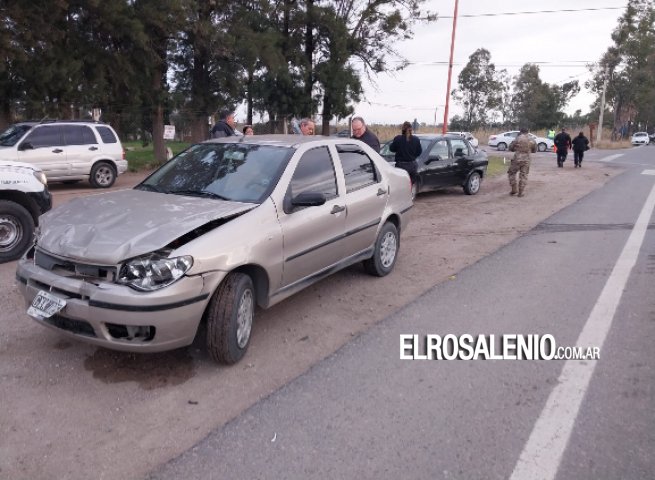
[[563, 144], [361, 132], [225, 126]]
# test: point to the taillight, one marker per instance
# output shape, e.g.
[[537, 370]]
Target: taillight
[[493, 137]]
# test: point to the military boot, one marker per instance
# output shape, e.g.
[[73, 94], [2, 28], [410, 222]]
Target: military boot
[[521, 190], [514, 191]]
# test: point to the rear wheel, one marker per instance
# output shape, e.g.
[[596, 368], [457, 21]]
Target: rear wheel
[[230, 316], [385, 251], [542, 147], [103, 175], [502, 146], [16, 230], [472, 185]]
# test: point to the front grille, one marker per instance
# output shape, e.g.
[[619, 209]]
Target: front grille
[[79, 327], [73, 269]]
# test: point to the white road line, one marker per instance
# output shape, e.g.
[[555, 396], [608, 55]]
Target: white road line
[[610, 157], [648, 172], [543, 451]]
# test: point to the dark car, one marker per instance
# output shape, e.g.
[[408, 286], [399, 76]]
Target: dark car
[[446, 161]]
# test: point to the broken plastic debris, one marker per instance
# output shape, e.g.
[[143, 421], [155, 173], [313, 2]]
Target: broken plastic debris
[[274, 437], [452, 277]]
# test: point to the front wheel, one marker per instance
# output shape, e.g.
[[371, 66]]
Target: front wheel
[[103, 175], [542, 147], [385, 251], [502, 146], [16, 230], [472, 185], [230, 316]]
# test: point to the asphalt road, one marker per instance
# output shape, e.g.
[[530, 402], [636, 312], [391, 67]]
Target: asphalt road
[[583, 275]]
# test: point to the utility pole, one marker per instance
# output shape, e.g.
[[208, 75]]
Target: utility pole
[[599, 132], [450, 70]]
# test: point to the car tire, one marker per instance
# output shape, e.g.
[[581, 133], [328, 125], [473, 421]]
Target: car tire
[[230, 316], [472, 185], [385, 251], [502, 146], [16, 230], [541, 147], [103, 175]]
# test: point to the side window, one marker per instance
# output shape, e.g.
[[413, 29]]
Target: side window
[[79, 135], [358, 169], [47, 136], [440, 148], [512, 134], [315, 173], [460, 147], [107, 135]]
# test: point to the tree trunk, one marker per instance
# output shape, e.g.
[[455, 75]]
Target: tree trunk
[[158, 144], [309, 59], [327, 115]]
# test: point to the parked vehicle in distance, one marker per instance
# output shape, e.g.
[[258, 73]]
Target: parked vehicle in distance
[[640, 138], [224, 226], [468, 136], [67, 151], [446, 161], [24, 196], [502, 141]]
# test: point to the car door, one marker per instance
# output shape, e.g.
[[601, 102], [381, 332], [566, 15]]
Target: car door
[[81, 148], [44, 147], [463, 160], [366, 197], [313, 235], [438, 165]]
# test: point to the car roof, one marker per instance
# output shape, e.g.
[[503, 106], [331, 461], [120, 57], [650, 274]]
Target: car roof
[[282, 140]]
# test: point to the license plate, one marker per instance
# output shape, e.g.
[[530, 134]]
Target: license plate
[[45, 305]]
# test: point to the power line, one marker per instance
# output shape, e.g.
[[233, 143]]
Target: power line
[[564, 10]]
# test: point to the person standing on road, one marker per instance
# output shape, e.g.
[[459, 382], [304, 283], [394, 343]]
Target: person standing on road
[[307, 126], [407, 148], [580, 145], [361, 132], [225, 126], [551, 134], [563, 144], [522, 147]]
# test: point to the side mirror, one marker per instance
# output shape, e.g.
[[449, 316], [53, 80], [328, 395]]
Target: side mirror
[[25, 146], [433, 158], [308, 199]]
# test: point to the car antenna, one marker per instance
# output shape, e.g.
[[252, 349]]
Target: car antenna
[[43, 119]]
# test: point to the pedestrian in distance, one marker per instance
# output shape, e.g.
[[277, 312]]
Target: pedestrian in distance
[[307, 126], [407, 148], [563, 144], [247, 130], [580, 145], [551, 133], [522, 146], [361, 132], [225, 126]]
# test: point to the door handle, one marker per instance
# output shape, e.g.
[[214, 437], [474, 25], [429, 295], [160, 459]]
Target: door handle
[[381, 192], [57, 150], [337, 209], [93, 148]]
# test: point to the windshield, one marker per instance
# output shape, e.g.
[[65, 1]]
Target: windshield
[[226, 171], [9, 137]]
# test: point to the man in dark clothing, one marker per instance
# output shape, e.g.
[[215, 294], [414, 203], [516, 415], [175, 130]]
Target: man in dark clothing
[[580, 145], [563, 144], [361, 132], [225, 126], [407, 148]]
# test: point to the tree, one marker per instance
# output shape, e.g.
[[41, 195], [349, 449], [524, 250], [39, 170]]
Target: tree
[[480, 90]]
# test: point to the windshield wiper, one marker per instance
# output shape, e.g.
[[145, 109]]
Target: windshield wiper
[[199, 193], [152, 188]]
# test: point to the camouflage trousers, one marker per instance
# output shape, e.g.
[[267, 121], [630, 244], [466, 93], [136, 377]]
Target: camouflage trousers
[[522, 167]]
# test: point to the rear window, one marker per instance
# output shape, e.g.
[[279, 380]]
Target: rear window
[[107, 135]]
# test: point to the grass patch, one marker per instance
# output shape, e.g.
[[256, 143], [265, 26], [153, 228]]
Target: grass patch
[[496, 165], [143, 158]]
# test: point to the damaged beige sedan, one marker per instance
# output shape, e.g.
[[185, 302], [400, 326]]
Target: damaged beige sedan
[[225, 226]]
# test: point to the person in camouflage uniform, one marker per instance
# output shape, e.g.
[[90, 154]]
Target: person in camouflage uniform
[[522, 147]]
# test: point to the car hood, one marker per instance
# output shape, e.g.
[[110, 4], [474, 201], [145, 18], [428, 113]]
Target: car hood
[[109, 228]]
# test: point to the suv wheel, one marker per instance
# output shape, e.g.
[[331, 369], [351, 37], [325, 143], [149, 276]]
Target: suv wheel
[[16, 230], [103, 175], [541, 147], [229, 318], [502, 146], [385, 251], [472, 185]]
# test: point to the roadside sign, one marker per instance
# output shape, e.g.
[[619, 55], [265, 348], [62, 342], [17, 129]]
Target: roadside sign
[[169, 132]]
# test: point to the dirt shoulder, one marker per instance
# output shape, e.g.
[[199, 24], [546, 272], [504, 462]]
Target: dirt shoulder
[[74, 411]]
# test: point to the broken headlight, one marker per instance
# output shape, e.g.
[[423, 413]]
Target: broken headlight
[[153, 271]]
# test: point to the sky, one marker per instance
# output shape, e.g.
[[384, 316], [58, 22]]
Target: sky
[[565, 41]]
